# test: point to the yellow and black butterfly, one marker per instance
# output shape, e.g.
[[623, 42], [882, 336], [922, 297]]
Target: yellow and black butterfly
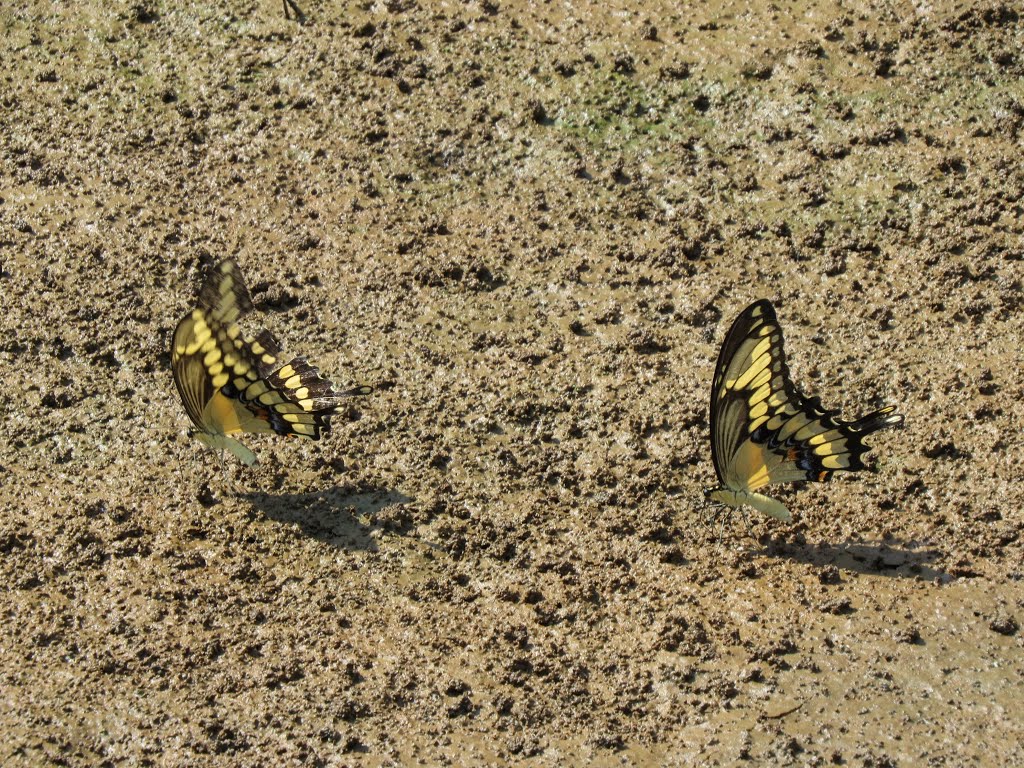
[[763, 431], [230, 384]]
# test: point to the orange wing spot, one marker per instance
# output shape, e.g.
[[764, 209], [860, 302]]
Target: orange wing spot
[[792, 454], [822, 477]]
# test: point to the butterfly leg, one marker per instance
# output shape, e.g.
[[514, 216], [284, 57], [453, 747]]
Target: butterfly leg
[[181, 473], [707, 517], [746, 522], [713, 512], [223, 469]]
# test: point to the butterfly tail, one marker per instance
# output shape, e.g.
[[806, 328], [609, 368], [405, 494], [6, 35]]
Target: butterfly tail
[[362, 389], [880, 419], [298, 372]]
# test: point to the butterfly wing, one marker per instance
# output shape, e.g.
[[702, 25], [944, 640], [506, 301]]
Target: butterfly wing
[[763, 430], [292, 397], [230, 384], [203, 356], [195, 385]]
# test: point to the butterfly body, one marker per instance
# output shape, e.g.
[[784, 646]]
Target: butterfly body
[[764, 431], [230, 384]]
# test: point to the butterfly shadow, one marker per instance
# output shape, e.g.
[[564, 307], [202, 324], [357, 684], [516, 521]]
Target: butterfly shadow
[[895, 559], [344, 517]]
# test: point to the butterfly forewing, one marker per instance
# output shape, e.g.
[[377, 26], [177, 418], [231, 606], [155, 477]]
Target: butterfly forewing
[[208, 347], [750, 362], [194, 385]]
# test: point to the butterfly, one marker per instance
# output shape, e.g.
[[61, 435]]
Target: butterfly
[[230, 384], [764, 431]]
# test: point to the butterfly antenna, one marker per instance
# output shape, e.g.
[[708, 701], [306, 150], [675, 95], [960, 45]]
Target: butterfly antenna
[[223, 469]]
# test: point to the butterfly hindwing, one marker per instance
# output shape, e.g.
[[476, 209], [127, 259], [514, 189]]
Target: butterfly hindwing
[[293, 397], [763, 430], [232, 384]]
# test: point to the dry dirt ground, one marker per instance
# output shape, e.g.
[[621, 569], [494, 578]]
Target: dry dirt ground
[[528, 226]]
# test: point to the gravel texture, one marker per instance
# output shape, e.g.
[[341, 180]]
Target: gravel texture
[[528, 226]]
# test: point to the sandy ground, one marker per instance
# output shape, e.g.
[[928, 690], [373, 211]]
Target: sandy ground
[[528, 227]]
